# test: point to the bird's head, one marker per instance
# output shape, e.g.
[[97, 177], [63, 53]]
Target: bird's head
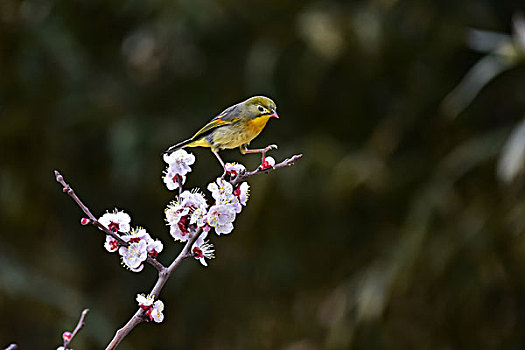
[[259, 106]]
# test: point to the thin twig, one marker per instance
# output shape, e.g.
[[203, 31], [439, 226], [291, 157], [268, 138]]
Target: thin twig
[[80, 324], [93, 220], [11, 347], [243, 176]]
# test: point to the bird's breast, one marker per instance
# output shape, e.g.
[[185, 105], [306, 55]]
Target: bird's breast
[[255, 126]]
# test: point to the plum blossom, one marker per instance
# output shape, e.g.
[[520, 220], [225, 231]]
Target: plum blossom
[[177, 218], [193, 199], [145, 301], [155, 313], [199, 217], [179, 161], [134, 255], [202, 249], [221, 190], [154, 247], [153, 308], [178, 166], [111, 244], [228, 203], [117, 221], [267, 163], [171, 179], [179, 214], [234, 169], [141, 245], [221, 217], [242, 192]]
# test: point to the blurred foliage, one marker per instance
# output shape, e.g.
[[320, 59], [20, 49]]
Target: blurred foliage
[[400, 228]]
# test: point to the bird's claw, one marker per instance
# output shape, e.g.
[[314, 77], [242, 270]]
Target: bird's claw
[[270, 147], [266, 149]]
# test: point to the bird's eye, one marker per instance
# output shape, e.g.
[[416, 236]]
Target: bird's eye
[[261, 109]]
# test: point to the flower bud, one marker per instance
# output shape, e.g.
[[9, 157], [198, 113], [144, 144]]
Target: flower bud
[[84, 221], [267, 163], [67, 336]]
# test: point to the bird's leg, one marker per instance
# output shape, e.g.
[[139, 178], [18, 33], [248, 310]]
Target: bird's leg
[[219, 158], [221, 161], [244, 149]]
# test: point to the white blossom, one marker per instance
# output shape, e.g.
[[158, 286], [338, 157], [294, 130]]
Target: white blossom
[[198, 217], [243, 192], [153, 308], [179, 214], [145, 301], [234, 169], [154, 247], [223, 193], [136, 234], [179, 161], [170, 179], [193, 199], [117, 221], [175, 211], [178, 220], [221, 190], [221, 216], [202, 249], [155, 313], [135, 254], [111, 244], [267, 163]]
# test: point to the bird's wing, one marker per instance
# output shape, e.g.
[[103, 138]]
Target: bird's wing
[[228, 116]]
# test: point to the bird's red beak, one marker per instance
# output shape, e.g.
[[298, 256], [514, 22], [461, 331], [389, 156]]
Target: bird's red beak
[[274, 114]]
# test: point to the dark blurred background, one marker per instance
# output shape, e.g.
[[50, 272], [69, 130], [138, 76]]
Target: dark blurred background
[[403, 227]]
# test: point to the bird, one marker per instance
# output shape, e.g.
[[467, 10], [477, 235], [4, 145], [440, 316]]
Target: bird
[[236, 126]]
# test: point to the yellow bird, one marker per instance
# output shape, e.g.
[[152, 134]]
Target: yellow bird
[[235, 127]]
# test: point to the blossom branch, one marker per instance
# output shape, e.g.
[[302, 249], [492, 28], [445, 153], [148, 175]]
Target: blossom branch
[[140, 315], [93, 220], [285, 163], [190, 219], [68, 337]]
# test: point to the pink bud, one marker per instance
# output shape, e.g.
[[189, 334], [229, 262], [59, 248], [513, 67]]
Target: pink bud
[[265, 165], [64, 189], [67, 336], [84, 221]]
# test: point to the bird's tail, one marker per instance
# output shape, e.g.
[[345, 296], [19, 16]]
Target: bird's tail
[[178, 146]]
